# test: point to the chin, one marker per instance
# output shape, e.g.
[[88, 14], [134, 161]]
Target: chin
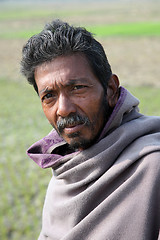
[[79, 144]]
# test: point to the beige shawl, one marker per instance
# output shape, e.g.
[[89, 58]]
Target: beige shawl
[[109, 191]]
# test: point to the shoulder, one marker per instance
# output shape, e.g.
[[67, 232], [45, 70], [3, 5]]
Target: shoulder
[[150, 164], [153, 159]]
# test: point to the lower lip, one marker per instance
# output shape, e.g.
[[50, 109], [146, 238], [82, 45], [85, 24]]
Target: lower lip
[[70, 130]]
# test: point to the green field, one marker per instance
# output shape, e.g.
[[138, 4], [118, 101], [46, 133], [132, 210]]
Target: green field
[[23, 183], [22, 122], [130, 29]]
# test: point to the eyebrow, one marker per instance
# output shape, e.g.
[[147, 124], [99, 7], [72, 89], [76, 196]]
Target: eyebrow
[[69, 83], [45, 90], [75, 81]]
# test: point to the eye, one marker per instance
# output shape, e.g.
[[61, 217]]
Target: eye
[[48, 97], [78, 87]]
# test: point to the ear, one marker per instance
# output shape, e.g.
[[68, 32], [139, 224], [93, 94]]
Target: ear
[[113, 91]]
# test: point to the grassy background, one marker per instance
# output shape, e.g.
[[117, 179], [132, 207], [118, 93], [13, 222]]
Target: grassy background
[[122, 29], [130, 35]]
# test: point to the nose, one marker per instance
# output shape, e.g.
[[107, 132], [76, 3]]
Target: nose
[[65, 106]]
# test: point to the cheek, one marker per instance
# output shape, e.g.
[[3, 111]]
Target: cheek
[[50, 114], [93, 106]]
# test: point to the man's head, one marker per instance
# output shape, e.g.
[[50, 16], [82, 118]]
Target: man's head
[[70, 72], [60, 39]]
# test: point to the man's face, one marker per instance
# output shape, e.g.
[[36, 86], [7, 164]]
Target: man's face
[[73, 99]]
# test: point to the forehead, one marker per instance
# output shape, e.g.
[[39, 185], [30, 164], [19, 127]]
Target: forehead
[[63, 69]]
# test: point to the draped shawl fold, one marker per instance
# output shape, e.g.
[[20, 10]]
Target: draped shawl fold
[[109, 191]]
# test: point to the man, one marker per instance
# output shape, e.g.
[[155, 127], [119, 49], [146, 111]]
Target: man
[[105, 155]]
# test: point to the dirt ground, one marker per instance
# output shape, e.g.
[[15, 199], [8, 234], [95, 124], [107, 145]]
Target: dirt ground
[[135, 60]]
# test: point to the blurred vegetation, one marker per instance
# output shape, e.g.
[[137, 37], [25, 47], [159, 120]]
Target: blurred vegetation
[[23, 183], [22, 122], [127, 29], [131, 29]]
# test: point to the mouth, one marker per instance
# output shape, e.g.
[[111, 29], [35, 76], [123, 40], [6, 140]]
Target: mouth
[[71, 129], [72, 125]]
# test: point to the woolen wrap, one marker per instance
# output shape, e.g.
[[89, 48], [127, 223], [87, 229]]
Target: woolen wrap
[[110, 191]]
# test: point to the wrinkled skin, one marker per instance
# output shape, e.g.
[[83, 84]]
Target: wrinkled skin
[[74, 100]]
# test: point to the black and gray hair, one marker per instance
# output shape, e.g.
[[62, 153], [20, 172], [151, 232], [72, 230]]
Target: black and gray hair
[[58, 38]]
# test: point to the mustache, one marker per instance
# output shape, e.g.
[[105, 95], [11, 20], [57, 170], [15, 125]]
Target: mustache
[[71, 120]]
